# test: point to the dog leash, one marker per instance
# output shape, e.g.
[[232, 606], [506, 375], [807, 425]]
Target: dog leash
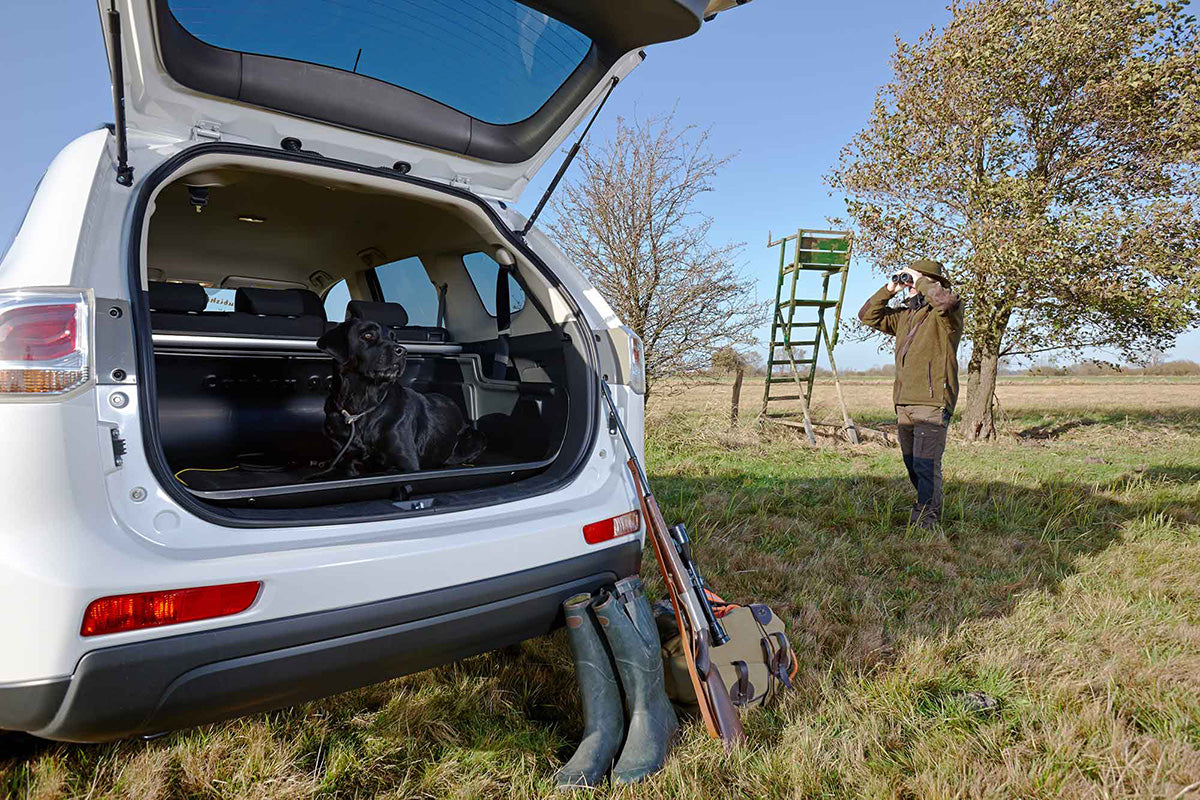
[[353, 418], [350, 420]]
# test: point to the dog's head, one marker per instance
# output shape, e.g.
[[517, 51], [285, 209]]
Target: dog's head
[[366, 348]]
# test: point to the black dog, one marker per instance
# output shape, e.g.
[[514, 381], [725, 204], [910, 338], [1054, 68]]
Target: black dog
[[376, 423]]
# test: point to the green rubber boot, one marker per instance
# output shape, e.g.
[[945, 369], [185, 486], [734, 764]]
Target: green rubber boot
[[603, 717], [627, 621]]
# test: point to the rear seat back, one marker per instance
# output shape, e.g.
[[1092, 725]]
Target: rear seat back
[[178, 307], [280, 312], [290, 313], [394, 317]]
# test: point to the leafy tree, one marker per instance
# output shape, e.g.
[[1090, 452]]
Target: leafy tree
[[1046, 152], [726, 360], [630, 222]]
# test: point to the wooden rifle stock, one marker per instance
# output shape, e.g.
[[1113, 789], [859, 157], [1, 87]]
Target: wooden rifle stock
[[716, 709]]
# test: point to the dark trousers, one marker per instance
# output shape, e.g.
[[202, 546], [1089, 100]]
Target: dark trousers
[[923, 441]]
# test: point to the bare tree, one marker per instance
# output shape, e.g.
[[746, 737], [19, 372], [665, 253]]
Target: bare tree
[[630, 223]]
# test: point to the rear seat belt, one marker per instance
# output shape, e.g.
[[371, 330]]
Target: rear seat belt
[[441, 317], [503, 323]]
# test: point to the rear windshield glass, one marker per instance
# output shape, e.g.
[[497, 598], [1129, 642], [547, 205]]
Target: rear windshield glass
[[495, 60]]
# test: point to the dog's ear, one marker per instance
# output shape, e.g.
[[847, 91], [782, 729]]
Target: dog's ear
[[336, 343]]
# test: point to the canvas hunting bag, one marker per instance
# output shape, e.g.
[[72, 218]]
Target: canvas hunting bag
[[757, 662]]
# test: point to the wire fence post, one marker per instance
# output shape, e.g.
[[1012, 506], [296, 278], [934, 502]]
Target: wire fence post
[[737, 396]]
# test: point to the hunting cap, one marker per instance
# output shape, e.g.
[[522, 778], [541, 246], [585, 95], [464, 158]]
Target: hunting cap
[[932, 269]]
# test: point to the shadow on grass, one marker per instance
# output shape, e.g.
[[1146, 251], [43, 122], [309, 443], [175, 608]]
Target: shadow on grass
[[1188, 473], [15, 747], [1032, 424], [1183, 420]]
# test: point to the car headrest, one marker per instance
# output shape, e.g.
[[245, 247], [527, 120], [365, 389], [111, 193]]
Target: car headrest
[[278, 302], [391, 315], [177, 297]]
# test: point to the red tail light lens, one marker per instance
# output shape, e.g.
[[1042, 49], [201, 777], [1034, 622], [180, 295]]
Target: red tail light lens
[[37, 333], [131, 612], [606, 529], [44, 341]]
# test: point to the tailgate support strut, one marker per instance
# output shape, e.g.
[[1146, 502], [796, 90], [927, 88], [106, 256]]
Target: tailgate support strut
[[567, 161], [124, 171]]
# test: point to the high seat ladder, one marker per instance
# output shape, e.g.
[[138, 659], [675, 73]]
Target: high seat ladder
[[828, 253]]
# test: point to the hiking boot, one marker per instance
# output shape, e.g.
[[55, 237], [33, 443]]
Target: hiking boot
[[923, 517], [628, 623], [603, 716]]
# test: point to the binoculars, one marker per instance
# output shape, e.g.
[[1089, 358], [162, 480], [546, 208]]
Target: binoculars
[[901, 278]]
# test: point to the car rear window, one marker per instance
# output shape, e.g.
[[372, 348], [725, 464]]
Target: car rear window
[[335, 302], [496, 60], [219, 299], [406, 282], [483, 270]]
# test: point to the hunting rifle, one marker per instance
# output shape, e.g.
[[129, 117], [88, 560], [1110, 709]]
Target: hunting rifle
[[686, 590]]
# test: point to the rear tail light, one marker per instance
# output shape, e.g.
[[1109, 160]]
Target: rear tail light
[[606, 529], [131, 612], [45, 340]]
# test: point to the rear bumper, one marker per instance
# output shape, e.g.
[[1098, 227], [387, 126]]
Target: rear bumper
[[180, 681]]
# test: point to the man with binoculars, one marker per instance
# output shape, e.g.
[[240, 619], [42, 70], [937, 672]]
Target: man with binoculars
[[927, 325]]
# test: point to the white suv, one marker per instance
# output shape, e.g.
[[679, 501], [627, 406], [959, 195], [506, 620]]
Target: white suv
[[168, 555]]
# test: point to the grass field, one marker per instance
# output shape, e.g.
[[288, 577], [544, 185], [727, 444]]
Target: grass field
[[1066, 585]]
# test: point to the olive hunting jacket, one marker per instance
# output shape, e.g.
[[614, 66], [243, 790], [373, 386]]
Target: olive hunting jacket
[[927, 331]]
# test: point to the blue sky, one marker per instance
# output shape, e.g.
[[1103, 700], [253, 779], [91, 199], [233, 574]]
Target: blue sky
[[781, 83]]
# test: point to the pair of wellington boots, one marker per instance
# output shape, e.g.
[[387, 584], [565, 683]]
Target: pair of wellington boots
[[630, 741]]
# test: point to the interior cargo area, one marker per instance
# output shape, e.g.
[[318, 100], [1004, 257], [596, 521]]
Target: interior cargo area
[[245, 269]]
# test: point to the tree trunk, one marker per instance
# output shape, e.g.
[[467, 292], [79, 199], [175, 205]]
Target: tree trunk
[[979, 419]]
